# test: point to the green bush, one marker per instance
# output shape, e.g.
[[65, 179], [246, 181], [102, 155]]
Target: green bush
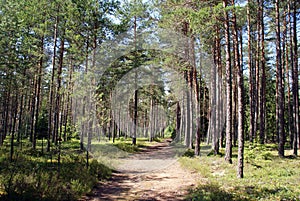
[[127, 147], [170, 132], [189, 153]]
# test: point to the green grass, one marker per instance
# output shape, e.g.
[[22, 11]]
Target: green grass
[[266, 176], [38, 175], [123, 144]]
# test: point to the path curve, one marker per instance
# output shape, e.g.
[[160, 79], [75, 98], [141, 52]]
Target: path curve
[[153, 174]]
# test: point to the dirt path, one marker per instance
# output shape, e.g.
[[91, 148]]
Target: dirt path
[[153, 174]]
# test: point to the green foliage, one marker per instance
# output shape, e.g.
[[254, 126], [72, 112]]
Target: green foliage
[[42, 124], [189, 153], [99, 170], [170, 132], [258, 152], [127, 147], [210, 192], [267, 176], [36, 176]]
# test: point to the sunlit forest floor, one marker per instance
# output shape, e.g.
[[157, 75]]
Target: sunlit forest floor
[[266, 176], [153, 173], [150, 171], [37, 175]]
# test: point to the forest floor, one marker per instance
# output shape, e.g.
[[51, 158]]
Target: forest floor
[[151, 174]]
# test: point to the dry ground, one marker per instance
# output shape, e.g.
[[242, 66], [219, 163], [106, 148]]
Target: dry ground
[[153, 174]]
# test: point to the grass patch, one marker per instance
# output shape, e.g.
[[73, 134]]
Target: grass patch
[[127, 146], [38, 175], [267, 176]]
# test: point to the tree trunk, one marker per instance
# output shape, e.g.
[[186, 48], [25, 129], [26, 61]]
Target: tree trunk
[[197, 100], [57, 110], [287, 27], [228, 152], [280, 92], [52, 87], [251, 77], [295, 82], [38, 92], [262, 111], [240, 98]]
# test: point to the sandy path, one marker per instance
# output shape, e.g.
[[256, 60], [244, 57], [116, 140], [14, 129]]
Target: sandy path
[[153, 174]]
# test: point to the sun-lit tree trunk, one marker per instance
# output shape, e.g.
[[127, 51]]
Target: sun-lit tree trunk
[[213, 97], [67, 119], [228, 151], [240, 97], [197, 100], [58, 94], [220, 95], [251, 77], [287, 47]]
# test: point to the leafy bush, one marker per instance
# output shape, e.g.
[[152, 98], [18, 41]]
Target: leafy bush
[[189, 153], [170, 132], [128, 147]]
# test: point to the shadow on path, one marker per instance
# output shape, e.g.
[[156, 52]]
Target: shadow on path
[[153, 174]]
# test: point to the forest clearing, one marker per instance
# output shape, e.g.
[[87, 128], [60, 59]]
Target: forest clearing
[[149, 100]]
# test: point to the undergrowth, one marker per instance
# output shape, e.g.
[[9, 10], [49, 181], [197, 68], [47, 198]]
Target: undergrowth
[[38, 175], [266, 176]]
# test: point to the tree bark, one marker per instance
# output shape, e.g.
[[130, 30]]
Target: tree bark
[[251, 77], [52, 87], [280, 92], [240, 97], [262, 111], [295, 82], [228, 151]]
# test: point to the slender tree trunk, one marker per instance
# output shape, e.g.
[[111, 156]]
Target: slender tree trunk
[[251, 76], [14, 121], [183, 119], [220, 95], [38, 92], [69, 100], [135, 115], [178, 121], [33, 111], [240, 98], [197, 100], [287, 26], [191, 122], [263, 77], [257, 71], [52, 87], [57, 111], [295, 82], [280, 92], [228, 152], [213, 94]]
